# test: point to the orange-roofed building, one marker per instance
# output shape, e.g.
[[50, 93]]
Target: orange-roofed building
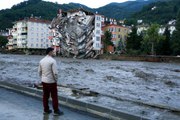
[[118, 33]]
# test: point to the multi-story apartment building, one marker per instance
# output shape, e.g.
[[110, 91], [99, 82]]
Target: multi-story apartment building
[[29, 33], [118, 33]]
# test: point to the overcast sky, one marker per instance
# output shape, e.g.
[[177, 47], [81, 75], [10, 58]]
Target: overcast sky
[[90, 3]]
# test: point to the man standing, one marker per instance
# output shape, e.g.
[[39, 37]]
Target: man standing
[[49, 76]]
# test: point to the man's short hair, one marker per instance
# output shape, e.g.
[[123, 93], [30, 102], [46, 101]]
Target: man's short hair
[[49, 49]]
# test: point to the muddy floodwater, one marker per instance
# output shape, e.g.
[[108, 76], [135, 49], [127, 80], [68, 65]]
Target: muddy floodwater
[[123, 85]]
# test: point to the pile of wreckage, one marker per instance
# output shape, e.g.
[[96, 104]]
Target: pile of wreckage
[[74, 32]]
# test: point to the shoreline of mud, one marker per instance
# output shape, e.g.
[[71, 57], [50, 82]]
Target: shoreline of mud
[[147, 58]]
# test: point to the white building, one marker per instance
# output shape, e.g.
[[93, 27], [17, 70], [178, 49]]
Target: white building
[[141, 28], [171, 27], [97, 33], [3, 33], [30, 33]]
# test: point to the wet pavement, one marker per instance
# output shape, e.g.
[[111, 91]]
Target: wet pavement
[[15, 106]]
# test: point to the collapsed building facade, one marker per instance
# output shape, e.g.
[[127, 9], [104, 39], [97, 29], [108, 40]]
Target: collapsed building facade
[[77, 33]]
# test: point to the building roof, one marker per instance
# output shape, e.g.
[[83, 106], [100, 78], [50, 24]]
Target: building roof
[[81, 9], [113, 25], [39, 20], [34, 19]]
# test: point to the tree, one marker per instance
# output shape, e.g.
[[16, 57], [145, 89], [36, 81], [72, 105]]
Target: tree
[[166, 43], [134, 40], [175, 43], [107, 40], [121, 46], [3, 41], [151, 39]]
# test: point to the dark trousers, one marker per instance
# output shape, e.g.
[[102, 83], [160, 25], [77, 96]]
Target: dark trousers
[[50, 89]]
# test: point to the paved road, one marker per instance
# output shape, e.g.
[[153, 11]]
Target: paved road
[[15, 106]]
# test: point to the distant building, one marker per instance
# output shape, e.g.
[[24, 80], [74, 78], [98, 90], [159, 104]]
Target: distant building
[[141, 28], [118, 33], [29, 33], [171, 27], [3, 33], [139, 21], [121, 21], [153, 8]]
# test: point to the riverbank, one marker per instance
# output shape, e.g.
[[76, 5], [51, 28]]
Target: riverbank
[[147, 58], [142, 58]]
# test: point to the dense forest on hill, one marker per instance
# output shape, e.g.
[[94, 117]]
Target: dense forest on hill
[[159, 12], [48, 10], [140, 9]]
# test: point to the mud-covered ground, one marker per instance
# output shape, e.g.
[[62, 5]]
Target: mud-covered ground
[[137, 87]]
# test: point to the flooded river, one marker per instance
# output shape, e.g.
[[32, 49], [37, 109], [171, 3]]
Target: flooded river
[[151, 83]]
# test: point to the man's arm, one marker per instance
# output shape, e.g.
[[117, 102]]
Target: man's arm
[[40, 70], [54, 70]]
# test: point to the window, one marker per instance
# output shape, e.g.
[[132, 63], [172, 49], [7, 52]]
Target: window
[[97, 45], [119, 36], [97, 38], [98, 18], [113, 35], [23, 33], [119, 30], [114, 29], [125, 37], [97, 31], [97, 24]]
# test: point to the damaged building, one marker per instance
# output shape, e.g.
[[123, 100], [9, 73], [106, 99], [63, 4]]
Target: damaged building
[[77, 33]]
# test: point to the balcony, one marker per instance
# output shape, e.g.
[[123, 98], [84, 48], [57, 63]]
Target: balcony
[[23, 37], [9, 43], [15, 26], [14, 42], [24, 42]]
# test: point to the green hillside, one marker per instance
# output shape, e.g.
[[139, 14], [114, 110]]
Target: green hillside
[[123, 10], [47, 10], [163, 12]]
